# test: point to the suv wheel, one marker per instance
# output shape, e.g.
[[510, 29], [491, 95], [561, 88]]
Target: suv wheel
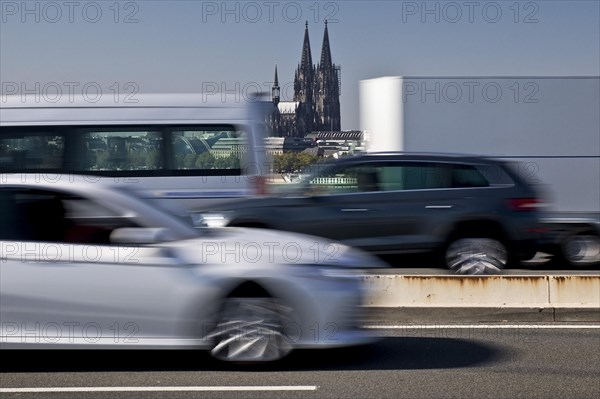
[[476, 256], [581, 249]]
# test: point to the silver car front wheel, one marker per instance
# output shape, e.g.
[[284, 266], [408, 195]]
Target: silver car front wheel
[[476, 256], [250, 330]]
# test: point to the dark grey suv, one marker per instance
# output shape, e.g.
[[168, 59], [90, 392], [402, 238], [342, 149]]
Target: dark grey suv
[[475, 214]]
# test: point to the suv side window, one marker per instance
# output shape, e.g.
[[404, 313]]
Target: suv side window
[[413, 176], [464, 176], [384, 176], [422, 176], [397, 176], [351, 179], [335, 181]]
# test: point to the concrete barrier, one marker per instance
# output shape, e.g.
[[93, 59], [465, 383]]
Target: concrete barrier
[[527, 298]]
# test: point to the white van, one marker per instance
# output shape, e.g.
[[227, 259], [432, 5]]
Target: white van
[[193, 149]]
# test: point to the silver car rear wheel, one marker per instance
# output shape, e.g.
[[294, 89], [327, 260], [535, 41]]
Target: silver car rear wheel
[[250, 330], [476, 256]]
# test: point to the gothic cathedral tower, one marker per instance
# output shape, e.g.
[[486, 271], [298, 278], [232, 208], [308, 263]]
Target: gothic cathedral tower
[[304, 86], [327, 90], [316, 103], [276, 90]]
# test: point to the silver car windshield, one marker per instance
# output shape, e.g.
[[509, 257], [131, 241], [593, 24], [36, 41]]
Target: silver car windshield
[[167, 207]]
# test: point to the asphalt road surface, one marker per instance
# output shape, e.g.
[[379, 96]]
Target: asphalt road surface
[[518, 361]]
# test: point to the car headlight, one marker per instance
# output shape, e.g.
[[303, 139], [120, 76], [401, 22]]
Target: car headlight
[[211, 219]]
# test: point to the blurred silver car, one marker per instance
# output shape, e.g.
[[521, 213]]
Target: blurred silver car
[[86, 264]]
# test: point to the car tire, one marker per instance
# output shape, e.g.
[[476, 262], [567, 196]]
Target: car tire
[[581, 249], [250, 330], [476, 255]]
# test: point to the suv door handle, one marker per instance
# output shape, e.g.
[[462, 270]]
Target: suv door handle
[[439, 206], [354, 209]]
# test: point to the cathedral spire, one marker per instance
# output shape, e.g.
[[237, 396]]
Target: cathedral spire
[[306, 62], [275, 90], [326, 50], [316, 102]]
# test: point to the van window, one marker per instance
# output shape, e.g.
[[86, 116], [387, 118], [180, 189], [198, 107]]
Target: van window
[[208, 148], [149, 150], [31, 149], [109, 150]]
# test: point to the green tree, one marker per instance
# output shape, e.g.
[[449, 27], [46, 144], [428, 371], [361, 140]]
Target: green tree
[[206, 160], [135, 161], [152, 160], [230, 162], [189, 161], [290, 162], [102, 160]]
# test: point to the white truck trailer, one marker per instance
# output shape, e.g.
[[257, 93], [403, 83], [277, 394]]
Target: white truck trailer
[[550, 127]]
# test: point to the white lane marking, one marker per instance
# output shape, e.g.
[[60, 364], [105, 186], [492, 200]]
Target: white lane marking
[[161, 389], [474, 326]]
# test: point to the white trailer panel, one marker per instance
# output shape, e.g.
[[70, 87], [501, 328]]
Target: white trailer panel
[[550, 124]]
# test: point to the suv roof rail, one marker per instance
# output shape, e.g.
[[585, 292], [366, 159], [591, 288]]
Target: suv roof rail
[[424, 153]]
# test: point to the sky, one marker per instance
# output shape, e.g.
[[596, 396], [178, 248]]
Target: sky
[[121, 48]]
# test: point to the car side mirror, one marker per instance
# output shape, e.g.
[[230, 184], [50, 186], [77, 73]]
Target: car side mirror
[[141, 235]]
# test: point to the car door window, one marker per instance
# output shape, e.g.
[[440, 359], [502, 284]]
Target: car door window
[[90, 222], [10, 225], [47, 216]]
